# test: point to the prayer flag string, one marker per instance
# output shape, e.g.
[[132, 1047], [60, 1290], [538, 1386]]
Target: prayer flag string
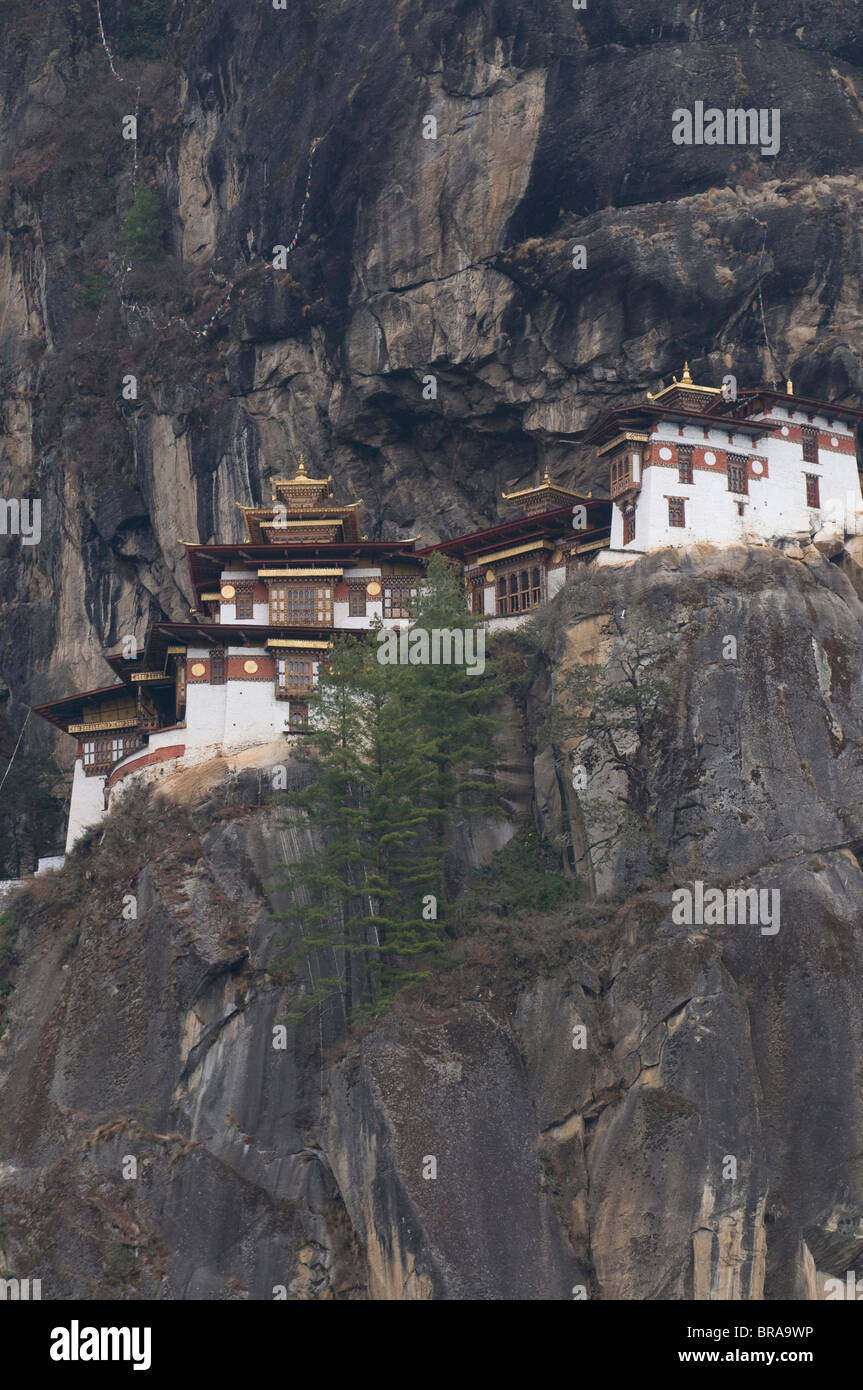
[[105, 44], [133, 306]]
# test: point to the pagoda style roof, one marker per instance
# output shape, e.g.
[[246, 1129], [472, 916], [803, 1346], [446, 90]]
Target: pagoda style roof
[[204, 633], [305, 505], [206, 562], [301, 482], [755, 398], [685, 392], [554, 524], [644, 417], [70, 709], [546, 496]]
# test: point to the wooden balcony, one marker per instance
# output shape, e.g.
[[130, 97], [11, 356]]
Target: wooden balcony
[[622, 485]]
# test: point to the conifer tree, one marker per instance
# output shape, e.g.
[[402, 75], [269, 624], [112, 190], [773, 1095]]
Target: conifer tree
[[401, 751]]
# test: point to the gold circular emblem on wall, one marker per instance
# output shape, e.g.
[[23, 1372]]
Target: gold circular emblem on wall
[[228, 591], [198, 668], [557, 557], [489, 576], [373, 588], [250, 667]]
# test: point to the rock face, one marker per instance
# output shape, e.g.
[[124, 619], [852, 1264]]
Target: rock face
[[703, 1142], [446, 257]]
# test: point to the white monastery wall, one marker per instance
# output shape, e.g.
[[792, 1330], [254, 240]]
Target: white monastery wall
[[775, 502], [86, 804]]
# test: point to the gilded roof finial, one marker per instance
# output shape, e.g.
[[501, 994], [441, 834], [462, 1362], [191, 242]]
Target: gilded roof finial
[[686, 379], [789, 388], [301, 471], [545, 477]]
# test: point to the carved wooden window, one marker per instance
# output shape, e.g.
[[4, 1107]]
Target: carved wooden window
[[813, 490], [299, 716], [397, 596], [737, 480], [677, 511], [294, 675], [518, 591], [357, 601], [245, 603], [477, 598], [99, 754], [629, 526], [621, 472], [217, 666], [301, 605], [684, 463], [810, 444]]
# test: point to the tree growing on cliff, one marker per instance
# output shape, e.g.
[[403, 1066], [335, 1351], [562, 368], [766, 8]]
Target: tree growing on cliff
[[144, 229], [402, 752], [143, 31], [29, 812]]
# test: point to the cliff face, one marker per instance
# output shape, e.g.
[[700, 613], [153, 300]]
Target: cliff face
[[703, 1142], [449, 257]]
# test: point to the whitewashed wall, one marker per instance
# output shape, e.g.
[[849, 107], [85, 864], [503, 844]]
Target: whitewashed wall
[[775, 505], [86, 805]]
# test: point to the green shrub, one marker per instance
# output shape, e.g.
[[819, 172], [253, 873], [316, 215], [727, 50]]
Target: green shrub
[[144, 28], [144, 229], [523, 879], [120, 1264], [93, 289]]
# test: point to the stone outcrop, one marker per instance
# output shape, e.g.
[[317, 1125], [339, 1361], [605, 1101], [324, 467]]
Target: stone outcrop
[[448, 257], [702, 1143]]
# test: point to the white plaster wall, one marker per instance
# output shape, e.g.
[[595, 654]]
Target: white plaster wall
[[555, 580], [490, 600], [252, 714], [86, 805], [260, 612], [775, 505]]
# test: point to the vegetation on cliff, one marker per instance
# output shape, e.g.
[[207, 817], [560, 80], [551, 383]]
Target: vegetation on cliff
[[402, 752]]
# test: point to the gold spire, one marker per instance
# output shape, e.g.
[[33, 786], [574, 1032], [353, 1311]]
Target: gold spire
[[789, 388], [685, 383]]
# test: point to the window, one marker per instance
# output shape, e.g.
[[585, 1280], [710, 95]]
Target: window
[[217, 666], [299, 716], [294, 675], [357, 601], [684, 463], [99, 754], [519, 591], [245, 603], [813, 490], [396, 599], [629, 526], [737, 480], [676, 511], [621, 478], [477, 598], [810, 444], [301, 605]]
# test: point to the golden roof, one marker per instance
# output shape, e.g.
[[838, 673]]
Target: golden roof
[[684, 384], [302, 479], [545, 486]]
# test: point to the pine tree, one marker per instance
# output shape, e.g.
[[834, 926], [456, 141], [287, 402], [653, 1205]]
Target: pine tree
[[401, 752], [144, 230]]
